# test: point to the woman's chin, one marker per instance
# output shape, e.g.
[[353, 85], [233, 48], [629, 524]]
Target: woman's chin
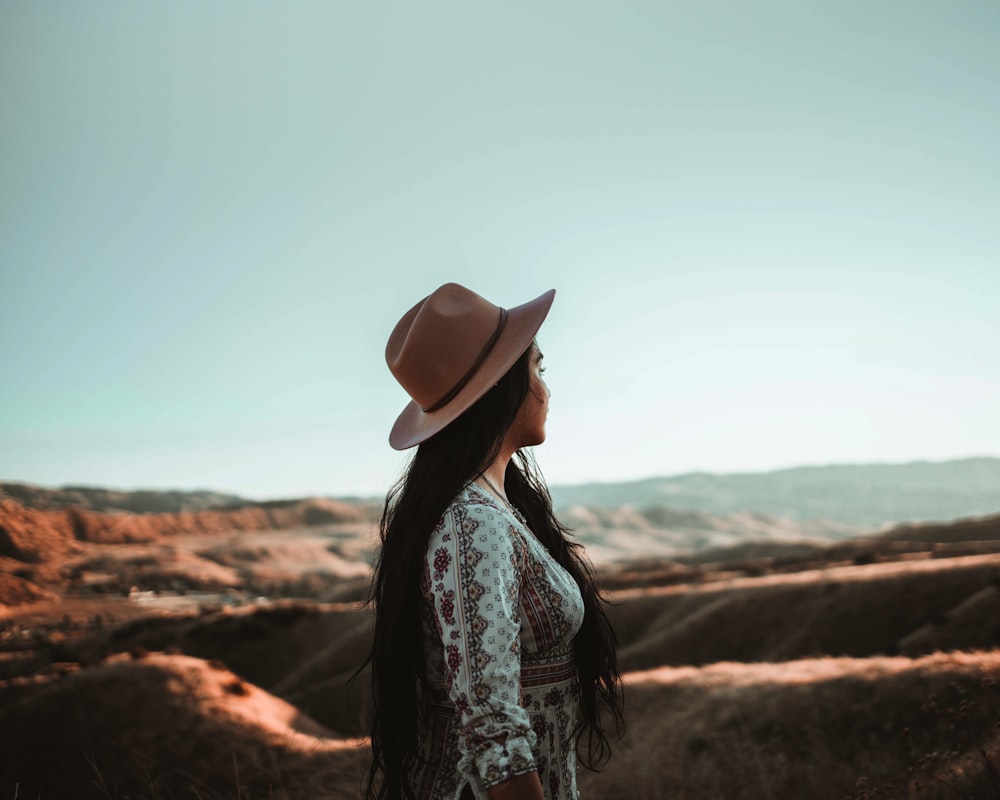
[[535, 439]]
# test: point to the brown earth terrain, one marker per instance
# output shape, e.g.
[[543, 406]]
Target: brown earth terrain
[[215, 654]]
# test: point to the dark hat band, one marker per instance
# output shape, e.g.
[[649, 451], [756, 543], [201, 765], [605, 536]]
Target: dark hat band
[[487, 349]]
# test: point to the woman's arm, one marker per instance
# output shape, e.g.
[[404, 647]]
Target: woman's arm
[[523, 787], [474, 572]]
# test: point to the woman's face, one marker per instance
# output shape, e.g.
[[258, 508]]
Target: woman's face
[[529, 424]]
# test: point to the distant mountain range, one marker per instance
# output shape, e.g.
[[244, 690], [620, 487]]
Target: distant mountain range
[[95, 498], [863, 495], [855, 495]]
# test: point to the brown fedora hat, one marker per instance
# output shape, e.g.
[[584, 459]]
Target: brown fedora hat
[[449, 350]]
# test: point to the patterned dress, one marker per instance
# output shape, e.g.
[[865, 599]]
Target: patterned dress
[[502, 695]]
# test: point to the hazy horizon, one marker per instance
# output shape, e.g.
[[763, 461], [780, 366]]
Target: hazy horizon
[[772, 232], [554, 485]]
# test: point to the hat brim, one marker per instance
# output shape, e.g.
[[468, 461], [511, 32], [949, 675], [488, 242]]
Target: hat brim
[[415, 425]]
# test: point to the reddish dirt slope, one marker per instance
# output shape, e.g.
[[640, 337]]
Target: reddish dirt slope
[[35, 543]]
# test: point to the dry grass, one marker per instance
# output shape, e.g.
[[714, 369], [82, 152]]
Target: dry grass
[[164, 727], [160, 726], [771, 679], [822, 728], [864, 610]]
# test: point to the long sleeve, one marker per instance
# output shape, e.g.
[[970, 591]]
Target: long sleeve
[[475, 565]]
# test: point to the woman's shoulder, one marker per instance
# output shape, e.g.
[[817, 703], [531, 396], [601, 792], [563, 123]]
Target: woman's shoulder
[[473, 511], [472, 496]]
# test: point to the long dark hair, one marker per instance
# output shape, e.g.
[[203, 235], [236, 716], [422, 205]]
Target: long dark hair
[[439, 470]]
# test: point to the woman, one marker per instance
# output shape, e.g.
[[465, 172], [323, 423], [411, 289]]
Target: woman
[[492, 655]]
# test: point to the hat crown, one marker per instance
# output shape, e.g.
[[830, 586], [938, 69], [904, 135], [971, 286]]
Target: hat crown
[[438, 341]]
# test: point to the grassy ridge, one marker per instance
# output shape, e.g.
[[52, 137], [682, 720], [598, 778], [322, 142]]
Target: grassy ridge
[[818, 728], [865, 669]]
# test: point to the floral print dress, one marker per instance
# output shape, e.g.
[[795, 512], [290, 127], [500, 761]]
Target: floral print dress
[[502, 694]]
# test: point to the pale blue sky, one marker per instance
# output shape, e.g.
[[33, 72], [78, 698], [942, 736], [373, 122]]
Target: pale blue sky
[[772, 227]]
